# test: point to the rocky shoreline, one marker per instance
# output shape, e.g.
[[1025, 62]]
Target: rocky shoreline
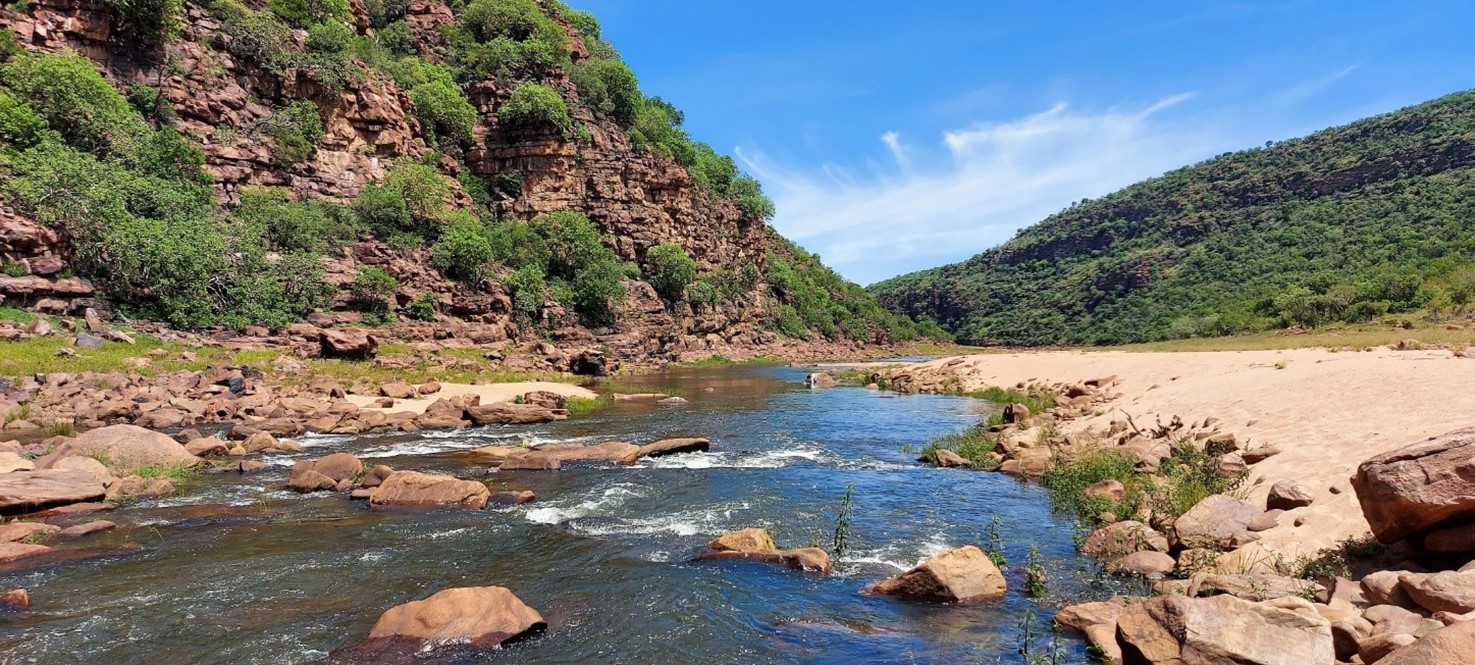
[[1221, 596]]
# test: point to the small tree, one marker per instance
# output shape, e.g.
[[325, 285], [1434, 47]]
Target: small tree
[[534, 105], [465, 251], [372, 290], [671, 270]]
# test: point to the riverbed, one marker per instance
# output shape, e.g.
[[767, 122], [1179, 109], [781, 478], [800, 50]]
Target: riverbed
[[235, 570]]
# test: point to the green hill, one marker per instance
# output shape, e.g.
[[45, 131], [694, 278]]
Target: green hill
[[1353, 223]]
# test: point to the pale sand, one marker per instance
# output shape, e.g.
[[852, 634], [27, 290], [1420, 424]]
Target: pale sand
[[1326, 411], [490, 393]]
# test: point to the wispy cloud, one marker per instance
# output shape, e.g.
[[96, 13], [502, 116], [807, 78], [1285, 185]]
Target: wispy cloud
[[1313, 87], [974, 188]]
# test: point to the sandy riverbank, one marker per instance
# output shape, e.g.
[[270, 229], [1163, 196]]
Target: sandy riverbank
[[1327, 411], [489, 393]]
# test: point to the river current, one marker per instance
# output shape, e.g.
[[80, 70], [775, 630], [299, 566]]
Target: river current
[[236, 570]]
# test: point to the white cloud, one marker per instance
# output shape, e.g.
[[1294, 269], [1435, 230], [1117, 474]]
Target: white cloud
[[980, 185]]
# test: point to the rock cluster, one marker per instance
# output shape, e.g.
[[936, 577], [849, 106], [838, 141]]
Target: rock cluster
[[755, 544]]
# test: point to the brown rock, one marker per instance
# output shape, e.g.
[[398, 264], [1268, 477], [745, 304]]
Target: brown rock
[[744, 540], [411, 488], [1448, 591], [207, 447], [545, 399], [1454, 539], [511, 414], [11, 461], [15, 599], [397, 390], [1378, 647], [671, 447], [339, 466], [1383, 588], [948, 459], [1223, 629], [34, 490], [16, 551], [513, 498], [1452, 645], [87, 529], [127, 448], [431, 388], [965, 575], [1287, 495], [1152, 565], [1123, 538], [347, 343], [258, 442], [1266, 521], [137, 487], [1349, 629], [375, 476], [1254, 586], [1418, 488], [1110, 489], [530, 462], [307, 480], [482, 617], [608, 452], [1259, 455], [809, 559], [1218, 522], [11, 532]]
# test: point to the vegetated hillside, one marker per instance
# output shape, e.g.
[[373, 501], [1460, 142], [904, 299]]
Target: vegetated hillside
[[1348, 224], [490, 168]]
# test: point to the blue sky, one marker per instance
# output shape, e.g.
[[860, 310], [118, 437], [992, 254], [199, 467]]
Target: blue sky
[[900, 136]]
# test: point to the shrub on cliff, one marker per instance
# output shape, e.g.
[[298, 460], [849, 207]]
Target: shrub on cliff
[[572, 242], [518, 20], [306, 13], [444, 113], [328, 54], [20, 126], [671, 270], [373, 289], [76, 101], [508, 39], [153, 22], [294, 132], [409, 206], [597, 290], [286, 225], [256, 36], [534, 105], [608, 88], [750, 198], [529, 291], [465, 251]]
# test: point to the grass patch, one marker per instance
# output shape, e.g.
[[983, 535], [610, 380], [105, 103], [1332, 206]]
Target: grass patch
[[583, 406], [710, 361], [1184, 479], [973, 444], [1036, 401], [176, 473], [16, 314]]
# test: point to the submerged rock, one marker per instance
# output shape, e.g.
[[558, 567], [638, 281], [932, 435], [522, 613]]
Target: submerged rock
[[810, 559], [964, 575], [744, 540]]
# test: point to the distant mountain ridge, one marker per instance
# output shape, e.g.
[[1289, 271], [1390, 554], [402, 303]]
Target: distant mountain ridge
[[1350, 223]]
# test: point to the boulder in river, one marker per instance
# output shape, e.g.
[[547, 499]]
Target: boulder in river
[[1419, 488], [324, 473], [477, 617], [412, 488], [512, 414], [23, 491], [810, 559], [1224, 629], [675, 446], [743, 540], [964, 575], [127, 448]]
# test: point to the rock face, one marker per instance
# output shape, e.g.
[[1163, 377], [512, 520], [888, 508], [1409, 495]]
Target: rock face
[[412, 488], [964, 575], [1223, 629], [24, 491], [480, 617], [1419, 488], [127, 448]]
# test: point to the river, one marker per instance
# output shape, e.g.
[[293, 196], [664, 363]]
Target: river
[[235, 570]]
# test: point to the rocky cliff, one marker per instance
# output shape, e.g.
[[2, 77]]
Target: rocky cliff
[[232, 79]]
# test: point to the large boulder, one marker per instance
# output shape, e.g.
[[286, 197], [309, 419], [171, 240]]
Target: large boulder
[[1219, 522], [1448, 591], [511, 414], [24, 491], [478, 617], [1452, 645], [1223, 630], [744, 540], [964, 575], [324, 473], [675, 446], [1419, 488], [127, 448], [347, 343], [412, 488]]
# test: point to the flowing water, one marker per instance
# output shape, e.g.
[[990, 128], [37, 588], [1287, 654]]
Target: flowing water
[[237, 571]]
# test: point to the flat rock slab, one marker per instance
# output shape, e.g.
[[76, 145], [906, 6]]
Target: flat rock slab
[[808, 559], [23, 491], [16, 551], [87, 529]]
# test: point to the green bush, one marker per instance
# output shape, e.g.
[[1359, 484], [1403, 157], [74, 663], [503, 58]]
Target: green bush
[[572, 242], [703, 292], [20, 126], [382, 210], [529, 291], [749, 194], [465, 250], [448, 119], [713, 172], [525, 246], [292, 226], [671, 270], [256, 36], [169, 155], [597, 289], [425, 192], [399, 39], [373, 290], [306, 13], [294, 132], [422, 308], [608, 87], [329, 55], [534, 105], [518, 20], [154, 22], [76, 101]]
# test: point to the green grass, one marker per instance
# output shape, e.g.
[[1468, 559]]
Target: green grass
[[179, 474], [583, 406], [1183, 480], [973, 444], [710, 361], [16, 314]]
